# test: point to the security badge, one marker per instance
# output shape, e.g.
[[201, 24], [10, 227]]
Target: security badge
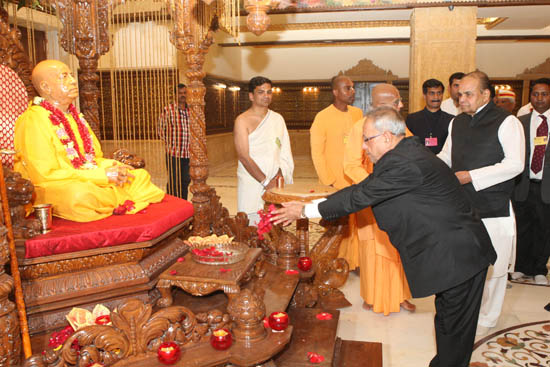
[[541, 140], [430, 142]]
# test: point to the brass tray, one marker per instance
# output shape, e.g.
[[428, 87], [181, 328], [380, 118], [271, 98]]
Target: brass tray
[[220, 253]]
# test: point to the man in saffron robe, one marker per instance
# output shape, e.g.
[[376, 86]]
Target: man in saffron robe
[[328, 135], [59, 153], [383, 285], [263, 147]]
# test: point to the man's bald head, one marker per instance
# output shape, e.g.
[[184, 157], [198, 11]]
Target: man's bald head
[[55, 82], [343, 92], [337, 80], [386, 95]]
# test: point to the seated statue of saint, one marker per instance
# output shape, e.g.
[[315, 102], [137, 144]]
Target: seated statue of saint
[[59, 153]]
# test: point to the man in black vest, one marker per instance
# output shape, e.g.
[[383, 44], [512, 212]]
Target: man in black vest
[[486, 150], [416, 199], [431, 124], [532, 193]]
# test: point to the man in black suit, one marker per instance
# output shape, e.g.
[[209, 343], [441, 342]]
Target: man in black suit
[[431, 124], [532, 193], [419, 202]]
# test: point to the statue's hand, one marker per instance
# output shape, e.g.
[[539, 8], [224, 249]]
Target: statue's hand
[[118, 174]]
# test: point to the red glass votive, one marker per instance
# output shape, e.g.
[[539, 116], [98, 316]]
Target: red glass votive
[[169, 353], [304, 263], [278, 321], [221, 339]]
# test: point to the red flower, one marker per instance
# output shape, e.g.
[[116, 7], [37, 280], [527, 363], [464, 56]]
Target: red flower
[[181, 259], [123, 208], [222, 270], [57, 117], [173, 272], [291, 272], [57, 338], [265, 225], [315, 358]]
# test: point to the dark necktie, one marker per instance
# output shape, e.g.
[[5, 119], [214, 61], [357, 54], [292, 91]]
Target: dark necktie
[[538, 153]]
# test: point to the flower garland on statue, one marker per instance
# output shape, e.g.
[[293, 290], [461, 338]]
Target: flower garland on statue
[[66, 135]]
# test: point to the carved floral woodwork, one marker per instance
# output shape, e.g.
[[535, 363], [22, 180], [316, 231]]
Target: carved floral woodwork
[[286, 246], [20, 193], [85, 35], [247, 311], [542, 68], [51, 286], [13, 54], [123, 155], [10, 347], [183, 38], [136, 332], [366, 70]]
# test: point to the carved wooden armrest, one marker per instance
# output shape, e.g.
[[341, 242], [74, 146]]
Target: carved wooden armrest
[[124, 156]]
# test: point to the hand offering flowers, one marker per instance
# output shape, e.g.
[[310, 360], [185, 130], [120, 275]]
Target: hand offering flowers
[[264, 226], [290, 211]]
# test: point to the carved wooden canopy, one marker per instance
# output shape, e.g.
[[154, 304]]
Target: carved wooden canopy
[[539, 71], [366, 70]]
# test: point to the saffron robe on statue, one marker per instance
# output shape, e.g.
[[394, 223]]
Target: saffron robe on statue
[[383, 281], [329, 134], [78, 194], [269, 148]]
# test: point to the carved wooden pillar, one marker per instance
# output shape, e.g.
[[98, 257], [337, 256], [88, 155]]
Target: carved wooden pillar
[[182, 37], [85, 35], [10, 335]]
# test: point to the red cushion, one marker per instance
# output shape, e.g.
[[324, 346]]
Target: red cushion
[[68, 236]]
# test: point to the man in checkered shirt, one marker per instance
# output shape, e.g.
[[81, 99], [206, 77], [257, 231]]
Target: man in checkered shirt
[[173, 130]]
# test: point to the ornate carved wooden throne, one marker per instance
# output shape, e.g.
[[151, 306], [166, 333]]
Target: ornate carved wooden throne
[[97, 270]]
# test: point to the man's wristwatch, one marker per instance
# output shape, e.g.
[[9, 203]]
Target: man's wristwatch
[[303, 213]]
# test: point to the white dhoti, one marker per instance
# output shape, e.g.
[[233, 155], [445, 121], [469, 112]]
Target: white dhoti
[[503, 236], [269, 148]]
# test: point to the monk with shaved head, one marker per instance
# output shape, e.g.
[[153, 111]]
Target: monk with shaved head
[[329, 134], [384, 287], [58, 152]]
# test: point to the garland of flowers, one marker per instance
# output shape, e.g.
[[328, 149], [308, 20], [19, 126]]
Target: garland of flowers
[[66, 135]]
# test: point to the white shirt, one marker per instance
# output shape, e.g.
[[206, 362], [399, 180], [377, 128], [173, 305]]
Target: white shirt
[[448, 106], [524, 110], [512, 141], [536, 120]]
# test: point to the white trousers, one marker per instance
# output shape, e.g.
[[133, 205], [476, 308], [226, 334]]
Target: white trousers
[[503, 236], [492, 300]]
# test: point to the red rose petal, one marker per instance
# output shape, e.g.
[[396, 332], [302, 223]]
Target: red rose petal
[[181, 259], [222, 270], [315, 358], [291, 272], [173, 272], [324, 316], [311, 190]]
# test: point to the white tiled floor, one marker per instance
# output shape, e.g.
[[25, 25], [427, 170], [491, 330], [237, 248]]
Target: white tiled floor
[[408, 339]]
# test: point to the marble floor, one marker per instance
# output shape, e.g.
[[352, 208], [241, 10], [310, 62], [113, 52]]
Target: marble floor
[[408, 339]]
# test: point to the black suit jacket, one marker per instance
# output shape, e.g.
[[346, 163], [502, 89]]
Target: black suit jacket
[[419, 202], [420, 124], [522, 183]]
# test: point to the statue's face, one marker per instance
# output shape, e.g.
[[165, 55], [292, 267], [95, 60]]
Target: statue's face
[[59, 84]]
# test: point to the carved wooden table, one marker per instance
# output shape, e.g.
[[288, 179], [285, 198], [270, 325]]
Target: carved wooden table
[[299, 192], [200, 279]]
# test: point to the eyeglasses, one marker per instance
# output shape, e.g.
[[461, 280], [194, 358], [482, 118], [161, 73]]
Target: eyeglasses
[[366, 140]]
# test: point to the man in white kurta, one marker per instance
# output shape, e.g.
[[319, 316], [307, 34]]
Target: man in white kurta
[[263, 148], [508, 134]]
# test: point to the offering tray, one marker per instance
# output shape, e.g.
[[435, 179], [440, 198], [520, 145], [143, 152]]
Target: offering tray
[[219, 253]]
